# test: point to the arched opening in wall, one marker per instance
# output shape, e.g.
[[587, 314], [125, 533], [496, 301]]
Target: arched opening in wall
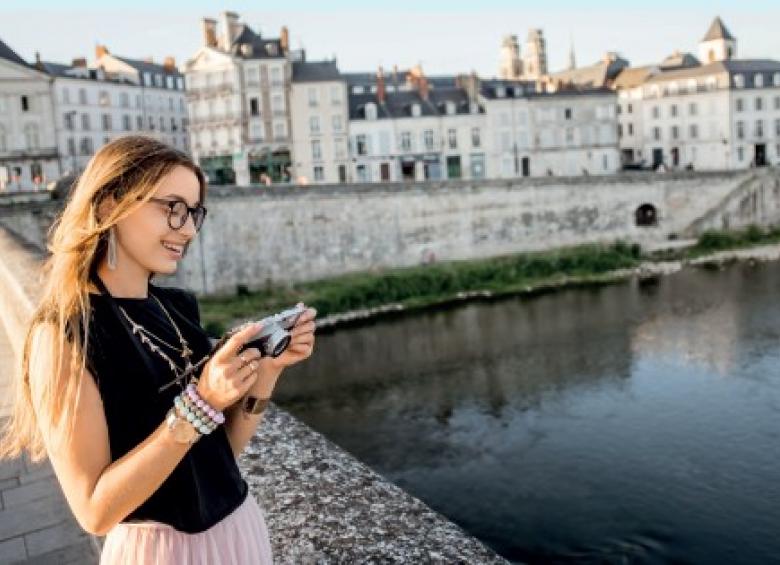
[[646, 216]]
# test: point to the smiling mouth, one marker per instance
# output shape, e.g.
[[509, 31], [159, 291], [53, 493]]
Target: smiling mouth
[[176, 250]]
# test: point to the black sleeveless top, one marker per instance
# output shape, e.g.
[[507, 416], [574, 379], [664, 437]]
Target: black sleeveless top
[[206, 485]]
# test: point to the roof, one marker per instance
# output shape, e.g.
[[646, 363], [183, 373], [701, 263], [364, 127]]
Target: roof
[[512, 88], [11, 55], [593, 76], [64, 71], [399, 104], [250, 45], [717, 31], [679, 60], [749, 68], [146, 66], [315, 71], [633, 76]]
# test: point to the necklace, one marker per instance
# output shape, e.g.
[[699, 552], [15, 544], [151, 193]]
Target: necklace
[[185, 351]]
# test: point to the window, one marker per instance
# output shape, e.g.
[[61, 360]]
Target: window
[[361, 144], [139, 123], [312, 96], [362, 173], [151, 122], [158, 80], [71, 146], [449, 107], [25, 103], [452, 138], [656, 112], [567, 113], [739, 81], [692, 109], [777, 102], [124, 99], [82, 96], [406, 141], [759, 128], [170, 103], [336, 121], [279, 130], [106, 121], [127, 123], [777, 127], [416, 110], [162, 123], [104, 99], [694, 131], [86, 146], [673, 110], [276, 76], [371, 111], [620, 130], [739, 105], [335, 95], [174, 126], [741, 153], [251, 76], [475, 138], [428, 139], [66, 96], [776, 79], [68, 119], [314, 124], [758, 80], [740, 130], [657, 134], [85, 122], [630, 108], [477, 165], [675, 132], [276, 103], [319, 173], [630, 130], [254, 107], [759, 103], [31, 137], [316, 150]]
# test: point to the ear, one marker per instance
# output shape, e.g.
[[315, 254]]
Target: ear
[[106, 207]]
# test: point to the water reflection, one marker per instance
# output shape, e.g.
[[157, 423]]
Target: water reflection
[[631, 421]]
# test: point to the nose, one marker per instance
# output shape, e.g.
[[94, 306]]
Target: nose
[[188, 228]]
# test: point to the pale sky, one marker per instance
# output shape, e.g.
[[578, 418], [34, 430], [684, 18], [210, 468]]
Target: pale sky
[[446, 37]]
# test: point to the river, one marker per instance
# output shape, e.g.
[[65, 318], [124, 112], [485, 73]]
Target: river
[[637, 422]]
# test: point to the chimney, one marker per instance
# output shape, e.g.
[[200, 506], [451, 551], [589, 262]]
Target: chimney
[[79, 62], [395, 76], [284, 39], [100, 50], [169, 63], [209, 32], [229, 21], [380, 86], [424, 88], [38, 63]]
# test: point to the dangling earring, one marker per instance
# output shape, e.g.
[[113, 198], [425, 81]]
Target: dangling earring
[[111, 248]]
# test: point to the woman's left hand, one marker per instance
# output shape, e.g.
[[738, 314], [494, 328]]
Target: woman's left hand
[[302, 343]]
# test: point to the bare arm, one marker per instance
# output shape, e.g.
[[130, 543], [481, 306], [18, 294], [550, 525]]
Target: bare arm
[[240, 426], [100, 493]]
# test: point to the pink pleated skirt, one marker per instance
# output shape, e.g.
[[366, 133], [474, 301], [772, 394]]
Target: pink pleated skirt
[[241, 538]]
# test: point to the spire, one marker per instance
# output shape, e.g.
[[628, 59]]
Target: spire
[[572, 59], [717, 31]]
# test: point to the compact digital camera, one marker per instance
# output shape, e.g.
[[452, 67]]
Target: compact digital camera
[[274, 337]]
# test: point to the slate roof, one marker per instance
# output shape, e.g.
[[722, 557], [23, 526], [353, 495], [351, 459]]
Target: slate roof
[[717, 31], [145, 66], [11, 55], [315, 71], [257, 47], [748, 68], [399, 104]]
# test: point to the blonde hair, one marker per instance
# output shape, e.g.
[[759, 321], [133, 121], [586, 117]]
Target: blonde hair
[[128, 169]]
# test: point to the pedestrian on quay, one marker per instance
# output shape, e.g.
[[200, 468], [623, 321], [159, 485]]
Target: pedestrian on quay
[[118, 385]]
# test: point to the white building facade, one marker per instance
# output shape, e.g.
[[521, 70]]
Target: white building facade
[[28, 148], [238, 89]]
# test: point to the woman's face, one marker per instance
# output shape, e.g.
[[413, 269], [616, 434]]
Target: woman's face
[[145, 239]]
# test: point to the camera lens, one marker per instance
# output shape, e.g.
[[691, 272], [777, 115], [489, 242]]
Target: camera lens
[[277, 342]]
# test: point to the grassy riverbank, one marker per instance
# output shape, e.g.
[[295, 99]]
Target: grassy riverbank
[[440, 282]]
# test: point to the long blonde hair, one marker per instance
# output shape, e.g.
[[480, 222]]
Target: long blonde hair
[[129, 169]]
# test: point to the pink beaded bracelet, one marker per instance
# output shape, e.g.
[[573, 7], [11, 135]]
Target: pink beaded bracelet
[[216, 415]]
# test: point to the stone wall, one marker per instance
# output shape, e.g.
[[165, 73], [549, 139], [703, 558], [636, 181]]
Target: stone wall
[[254, 236]]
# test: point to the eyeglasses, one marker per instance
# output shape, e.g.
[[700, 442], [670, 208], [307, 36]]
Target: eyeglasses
[[178, 212]]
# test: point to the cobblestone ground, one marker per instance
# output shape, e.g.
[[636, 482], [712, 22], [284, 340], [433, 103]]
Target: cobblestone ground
[[36, 524]]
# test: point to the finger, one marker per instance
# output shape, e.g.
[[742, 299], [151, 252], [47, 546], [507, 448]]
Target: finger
[[243, 358], [308, 327], [306, 339], [238, 339], [308, 315], [245, 373]]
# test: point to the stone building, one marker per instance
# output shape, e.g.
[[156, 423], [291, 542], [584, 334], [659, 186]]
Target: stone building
[[28, 140], [238, 91]]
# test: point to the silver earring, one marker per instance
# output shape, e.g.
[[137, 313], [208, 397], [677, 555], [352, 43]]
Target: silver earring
[[111, 248]]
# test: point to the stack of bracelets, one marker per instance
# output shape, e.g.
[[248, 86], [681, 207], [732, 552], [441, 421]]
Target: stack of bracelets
[[197, 411]]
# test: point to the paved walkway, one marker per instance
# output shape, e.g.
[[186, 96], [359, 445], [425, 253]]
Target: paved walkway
[[36, 523]]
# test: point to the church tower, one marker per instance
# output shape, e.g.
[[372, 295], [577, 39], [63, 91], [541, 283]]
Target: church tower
[[535, 57], [718, 44], [510, 65]]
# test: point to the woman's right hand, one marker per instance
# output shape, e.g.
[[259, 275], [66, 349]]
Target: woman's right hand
[[227, 376]]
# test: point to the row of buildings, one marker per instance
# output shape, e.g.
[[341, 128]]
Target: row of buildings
[[251, 110]]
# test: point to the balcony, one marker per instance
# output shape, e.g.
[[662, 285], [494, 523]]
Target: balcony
[[19, 154], [210, 91]]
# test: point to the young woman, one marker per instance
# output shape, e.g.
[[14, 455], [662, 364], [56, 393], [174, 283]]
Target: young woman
[[116, 385]]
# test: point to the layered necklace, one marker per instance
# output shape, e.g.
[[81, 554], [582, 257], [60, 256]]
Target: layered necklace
[[184, 351]]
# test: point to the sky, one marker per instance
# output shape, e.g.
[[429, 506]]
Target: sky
[[445, 37]]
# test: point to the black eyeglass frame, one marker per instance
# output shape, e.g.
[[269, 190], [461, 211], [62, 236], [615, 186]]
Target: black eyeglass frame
[[191, 211]]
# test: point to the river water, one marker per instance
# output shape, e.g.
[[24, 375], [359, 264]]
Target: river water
[[630, 423]]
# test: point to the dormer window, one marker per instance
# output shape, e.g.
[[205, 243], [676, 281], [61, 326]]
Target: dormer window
[[371, 111], [776, 79], [518, 91], [358, 89], [739, 81], [500, 92], [449, 107], [474, 108], [416, 110], [271, 49], [758, 80], [246, 49]]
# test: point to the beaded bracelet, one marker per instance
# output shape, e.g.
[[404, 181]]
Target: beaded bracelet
[[187, 405], [187, 413], [215, 415]]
